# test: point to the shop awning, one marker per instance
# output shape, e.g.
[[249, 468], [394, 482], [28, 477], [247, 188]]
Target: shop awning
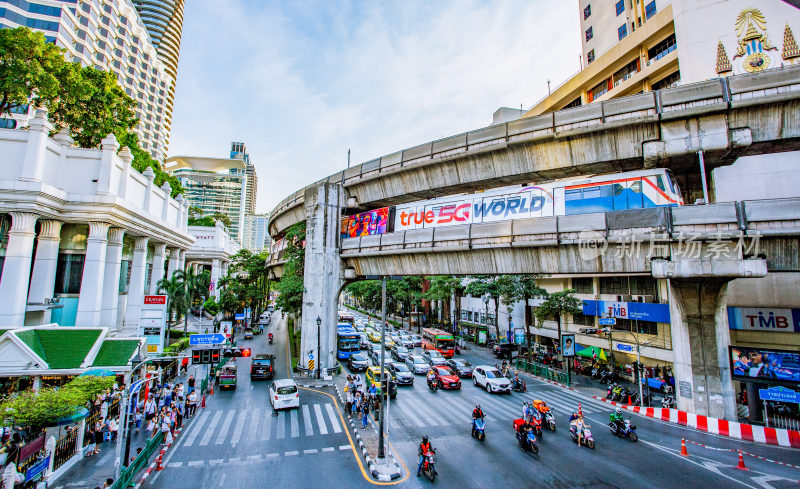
[[589, 352]]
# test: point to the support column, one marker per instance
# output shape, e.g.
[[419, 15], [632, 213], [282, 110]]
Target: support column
[[160, 251], [90, 301], [216, 266], [43, 278], [181, 260], [172, 265], [323, 275], [136, 289], [108, 312], [17, 268]]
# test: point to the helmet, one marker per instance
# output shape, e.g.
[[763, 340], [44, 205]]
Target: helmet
[[619, 410], [477, 406], [424, 438]]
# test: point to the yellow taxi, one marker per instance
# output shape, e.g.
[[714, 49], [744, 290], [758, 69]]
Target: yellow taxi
[[374, 336], [372, 376]]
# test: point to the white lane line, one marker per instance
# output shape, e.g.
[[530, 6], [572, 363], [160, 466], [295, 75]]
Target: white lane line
[[234, 460], [252, 432], [307, 421], [409, 416], [222, 479], [216, 461], [266, 426], [195, 463], [292, 453], [196, 427], [281, 422], [210, 430], [323, 430], [254, 457], [223, 432], [273, 455], [328, 449], [175, 464], [344, 447], [420, 410], [237, 432], [332, 418], [310, 451], [295, 426]]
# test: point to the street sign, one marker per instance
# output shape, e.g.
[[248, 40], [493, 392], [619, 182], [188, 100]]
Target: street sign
[[779, 394], [624, 347], [238, 316], [206, 339], [311, 364], [310, 356], [607, 321]]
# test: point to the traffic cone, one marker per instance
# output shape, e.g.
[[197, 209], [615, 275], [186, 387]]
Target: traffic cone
[[203, 402], [629, 400], [211, 392], [580, 412], [741, 462], [159, 462], [684, 453]]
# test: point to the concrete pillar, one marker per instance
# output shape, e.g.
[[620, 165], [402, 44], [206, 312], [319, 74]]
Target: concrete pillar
[[37, 383], [43, 278], [181, 260], [136, 289], [17, 268], [160, 250], [108, 312], [50, 447], [36, 148], [216, 269], [172, 265], [323, 274], [90, 301]]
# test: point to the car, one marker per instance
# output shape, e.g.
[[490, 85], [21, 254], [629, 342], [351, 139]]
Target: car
[[407, 341], [358, 362], [271, 308], [434, 358], [402, 374], [283, 394], [262, 366], [447, 377], [389, 343], [265, 316], [364, 343], [400, 353], [372, 376], [248, 334], [417, 339], [504, 350], [376, 356], [462, 367], [360, 328], [373, 346], [417, 364], [490, 379], [374, 336]]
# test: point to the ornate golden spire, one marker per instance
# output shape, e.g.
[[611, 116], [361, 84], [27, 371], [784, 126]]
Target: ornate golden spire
[[790, 49], [723, 63]]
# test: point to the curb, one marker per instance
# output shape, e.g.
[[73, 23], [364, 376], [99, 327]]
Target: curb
[[732, 429], [153, 465], [367, 459]]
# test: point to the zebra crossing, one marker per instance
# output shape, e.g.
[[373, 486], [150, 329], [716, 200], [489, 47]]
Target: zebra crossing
[[235, 426]]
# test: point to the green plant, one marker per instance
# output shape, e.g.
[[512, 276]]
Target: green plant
[[211, 306]]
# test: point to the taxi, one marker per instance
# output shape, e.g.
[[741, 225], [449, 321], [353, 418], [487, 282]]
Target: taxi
[[374, 373], [227, 376], [374, 336]]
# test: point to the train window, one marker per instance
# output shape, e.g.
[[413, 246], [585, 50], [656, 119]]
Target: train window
[[591, 193], [636, 187], [618, 188], [660, 183], [572, 194]]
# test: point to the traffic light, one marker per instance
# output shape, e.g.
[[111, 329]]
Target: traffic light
[[203, 356], [195, 357], [245, 352], [237, 352], [215, 356]]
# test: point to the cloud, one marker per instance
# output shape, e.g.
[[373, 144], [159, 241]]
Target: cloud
[[301, 82]]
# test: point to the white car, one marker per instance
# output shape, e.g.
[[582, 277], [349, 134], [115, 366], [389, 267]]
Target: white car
[[283, 394], [490, 379]]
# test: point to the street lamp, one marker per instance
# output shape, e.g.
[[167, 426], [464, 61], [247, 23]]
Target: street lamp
[[319, 360], [486, 312], [136, 362]]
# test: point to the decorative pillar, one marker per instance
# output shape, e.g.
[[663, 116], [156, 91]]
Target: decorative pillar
[[17, 268], [50, 447], [160, 251], [216, 264], [181, 260], [108, 312], [38, 131], [109, 147], [43, 278], [148, 193], [172, 266], [127, 158], [136, 289], [94, 269]]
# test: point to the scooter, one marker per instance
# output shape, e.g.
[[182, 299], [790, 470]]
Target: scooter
[[478, 428], [610, 393], [527, 442], [587, 435], [549, 420], [429, 464], [536, 422], [628, 431], [270, 338], [433, 385], [519, 386], [668, 402]]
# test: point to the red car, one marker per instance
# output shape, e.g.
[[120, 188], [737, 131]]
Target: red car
[[447, 378]]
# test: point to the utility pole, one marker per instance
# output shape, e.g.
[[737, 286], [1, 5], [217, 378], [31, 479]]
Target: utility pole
[[384, 388], [319, 353]]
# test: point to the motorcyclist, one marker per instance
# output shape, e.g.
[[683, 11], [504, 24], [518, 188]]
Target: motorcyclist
[[579, 425], [517, 382], [270, 336], [617, 419], [424, 447], [431, 378], [477, 413], [524, 429], [573, 417]]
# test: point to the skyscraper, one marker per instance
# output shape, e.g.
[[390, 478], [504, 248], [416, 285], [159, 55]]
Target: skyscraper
[[239, 152]]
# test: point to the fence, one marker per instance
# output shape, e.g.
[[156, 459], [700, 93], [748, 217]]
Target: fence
[[128, 473], [66, 447], [777, 421], [92, 419], [543, 371], [31, 453]]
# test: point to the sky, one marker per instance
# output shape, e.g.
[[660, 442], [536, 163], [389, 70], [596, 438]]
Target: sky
[[302, 82]]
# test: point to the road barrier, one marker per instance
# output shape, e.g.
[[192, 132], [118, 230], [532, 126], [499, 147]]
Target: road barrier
[[544, 371], [128, 473]]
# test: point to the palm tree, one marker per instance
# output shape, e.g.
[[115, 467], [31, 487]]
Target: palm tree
[[174, 289], [195, 286]]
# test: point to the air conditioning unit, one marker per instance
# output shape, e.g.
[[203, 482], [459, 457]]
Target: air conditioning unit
[[648, 62], [625, 298], [616, 83], [649, 298]]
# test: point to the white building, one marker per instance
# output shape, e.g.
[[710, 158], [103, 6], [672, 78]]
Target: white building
[[212, 246], [84, 235], [256, 233]]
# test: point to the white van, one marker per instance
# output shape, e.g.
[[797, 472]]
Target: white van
[[283, 394]]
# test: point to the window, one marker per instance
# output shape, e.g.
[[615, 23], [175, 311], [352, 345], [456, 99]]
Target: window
[[662, 49], [589, 34], [668, 81], [620, 6], [582, 320], [650, 9], [583, 285], [599, 89], [575, 103], [590, 56], [587, 11], [626, 71], [7, 123], [19, 109], [69, 271], [124, 276], [622, 31], [635, 285]]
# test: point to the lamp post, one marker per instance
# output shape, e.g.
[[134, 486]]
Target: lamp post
[[319, 354], [384, 387], [486, 312], [136, 363]]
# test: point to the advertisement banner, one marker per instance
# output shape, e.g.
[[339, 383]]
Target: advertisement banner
[[764, 363], [365, 224], [764, 319], [568, 345], [642, 311]]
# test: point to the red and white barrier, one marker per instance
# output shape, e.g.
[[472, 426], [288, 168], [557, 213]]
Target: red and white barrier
[[740, 431]]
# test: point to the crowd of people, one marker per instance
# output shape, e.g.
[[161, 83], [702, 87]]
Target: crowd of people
[[360, 400]]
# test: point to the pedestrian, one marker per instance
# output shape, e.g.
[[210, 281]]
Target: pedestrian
[[104, 409], [192, 400], [184, 365], [109, 483], [349, 404], [364, 414], [91, 449], [98, 436], [356, 407], [190, 383], [179, 414], [150, 408], [179, 392], [113, 427], [137, 419], [166, 429], [376, 409]]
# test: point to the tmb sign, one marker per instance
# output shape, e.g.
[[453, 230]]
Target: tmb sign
[[155, 299]]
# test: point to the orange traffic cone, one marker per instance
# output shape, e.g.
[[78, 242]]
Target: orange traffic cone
[[684, 453], [580, 412], [629, 400], [203, 402], [211, 392], [159, 462], [741, 462]]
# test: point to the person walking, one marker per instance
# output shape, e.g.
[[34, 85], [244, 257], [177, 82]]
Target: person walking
[[348, 407], [190, 383], [364, 414], [192, 400]]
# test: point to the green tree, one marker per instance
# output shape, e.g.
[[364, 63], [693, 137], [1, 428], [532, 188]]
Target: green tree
[[248, 281], [175, 290], [442, 288], [291, 286], [28, 65], [557, 304], [223, 218]]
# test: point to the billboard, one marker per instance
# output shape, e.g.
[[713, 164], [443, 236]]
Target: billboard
[[365, 224], [643, 311], [764, 319], [764, 363]]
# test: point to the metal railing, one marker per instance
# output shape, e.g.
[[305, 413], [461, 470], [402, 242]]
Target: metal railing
[[128, 473], [543, 371], [66, 447], [776, 421]]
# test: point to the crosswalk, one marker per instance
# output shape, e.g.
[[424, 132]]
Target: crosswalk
[[235, 426]]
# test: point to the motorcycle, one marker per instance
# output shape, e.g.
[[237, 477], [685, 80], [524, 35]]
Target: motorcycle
[[433, 385], [627, 431], [610, 393], [550, 420], [535, 420], [478, 428], [526, 441], [519, 386], [270, 338], [429, 464], [587, 435], [668, 402]]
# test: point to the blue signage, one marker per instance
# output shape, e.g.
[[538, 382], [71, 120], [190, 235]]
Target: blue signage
[[206, 339], [519, 336], [608, 321], [779, 394], [624, 347], [37, 468], [782, 320], [642, 311], [239, 316]]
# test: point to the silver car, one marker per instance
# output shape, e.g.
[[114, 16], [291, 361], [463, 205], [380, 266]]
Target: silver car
[[417, 364]]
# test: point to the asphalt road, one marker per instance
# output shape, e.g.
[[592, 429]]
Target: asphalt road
[[237, 441]]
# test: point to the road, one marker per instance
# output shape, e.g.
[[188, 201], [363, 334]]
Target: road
[[239, 440]]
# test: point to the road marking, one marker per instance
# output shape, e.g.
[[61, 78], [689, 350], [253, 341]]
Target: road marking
[[222, 479], [328, 449], [175, 464], [307, 421], [294, 421], [237, 432], [409, 416], [273, 455], [216, 461], [310, 451], [332, 417], [323, 430], [344, 447], [254, 457], [426, 413], [666, 450], [105, 459], [292, 453], [281, 421], [252, 433], [266, 427], [226, 425], [234, 460], [195, 463], [210, 430]]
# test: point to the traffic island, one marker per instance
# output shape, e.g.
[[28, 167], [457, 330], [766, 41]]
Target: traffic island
[[367, 439]]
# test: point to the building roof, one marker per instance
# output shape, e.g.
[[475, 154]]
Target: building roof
[[115, 353], [202, 163], [60, 348]]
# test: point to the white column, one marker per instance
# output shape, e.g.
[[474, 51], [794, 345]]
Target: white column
[[43, 278], [136, 288], [159, 254], [216, 265], [90, 301], [17, 269], [36, 149], [172, 267], [181, 259], [108, 312]]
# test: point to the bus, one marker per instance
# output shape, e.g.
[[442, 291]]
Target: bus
[[346, 317], [348, 341], [436, 339]]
